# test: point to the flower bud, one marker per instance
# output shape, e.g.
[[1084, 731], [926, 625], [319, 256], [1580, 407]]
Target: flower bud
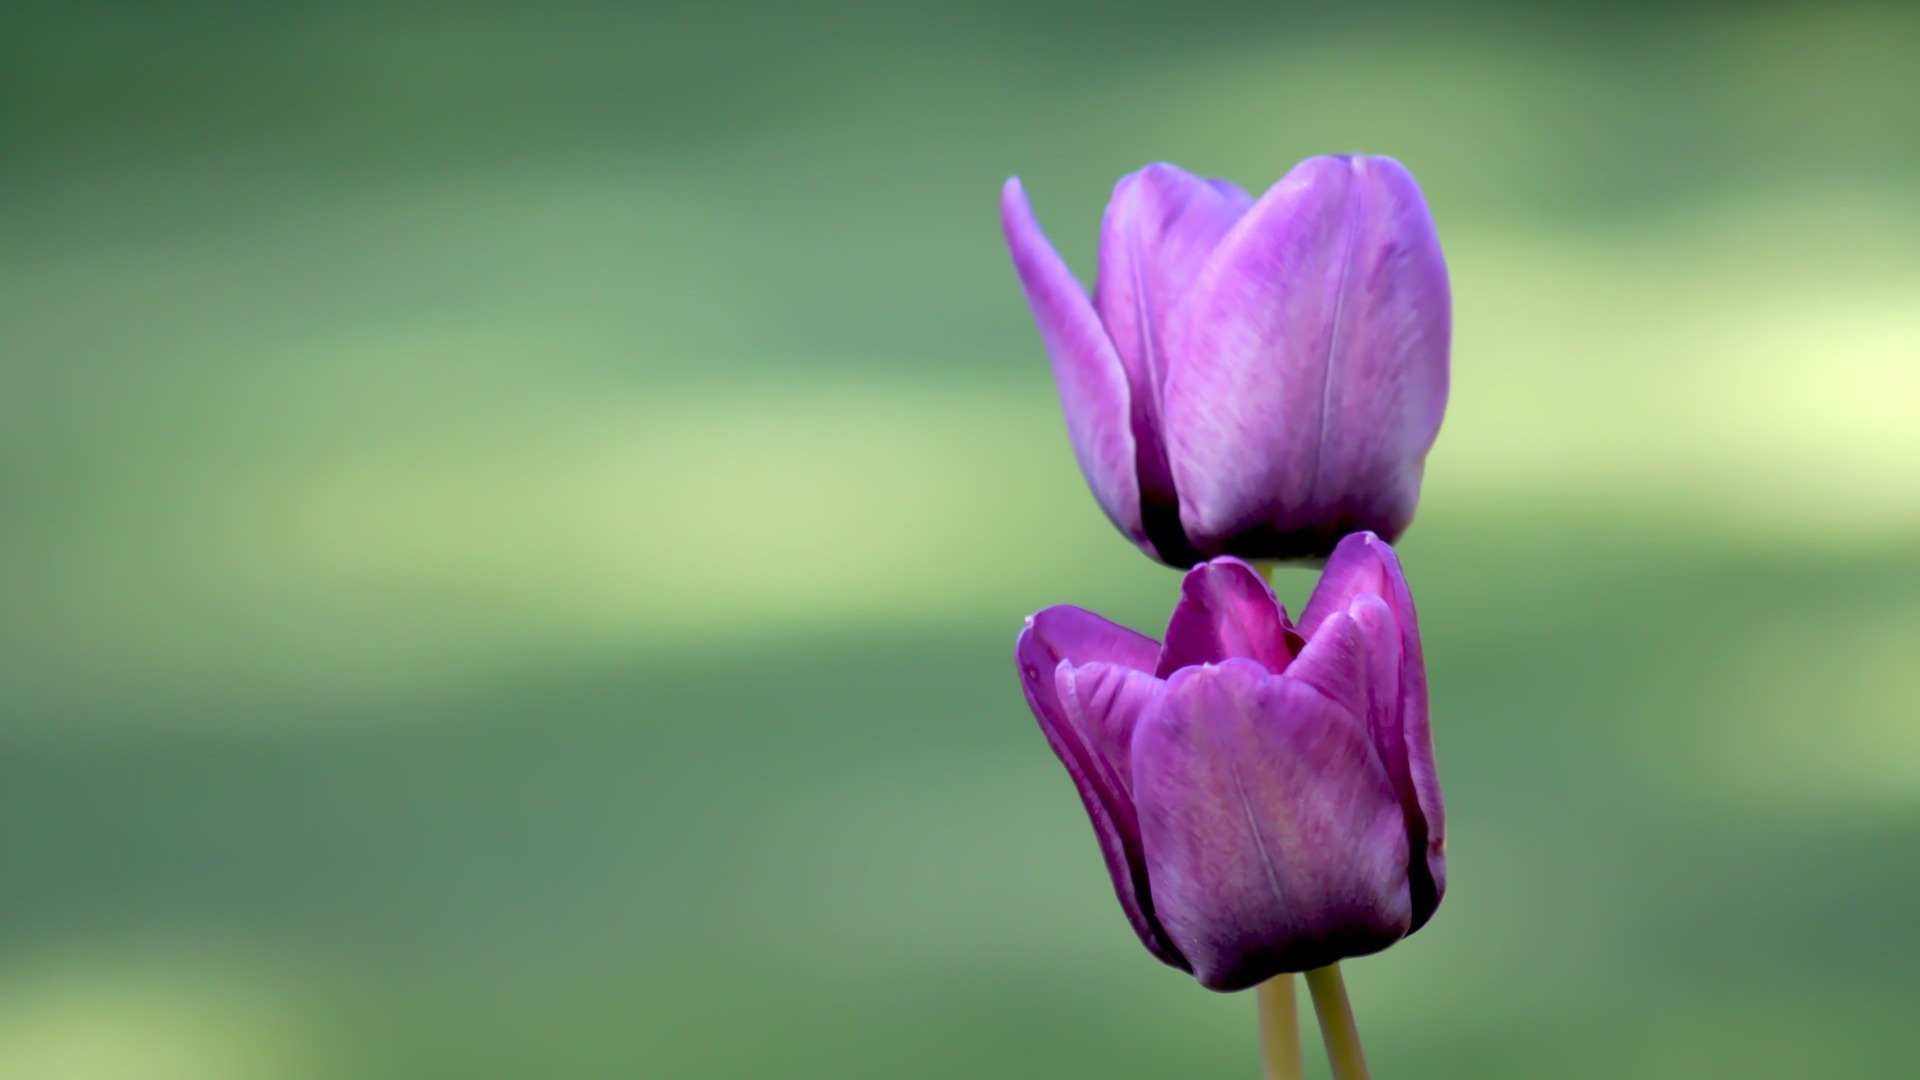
[[1264, 792], [1252, 378]]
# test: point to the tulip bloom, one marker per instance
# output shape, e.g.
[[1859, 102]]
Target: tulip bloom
[[1264, 792], [1253, 378]]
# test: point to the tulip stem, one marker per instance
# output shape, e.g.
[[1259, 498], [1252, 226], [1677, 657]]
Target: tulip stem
[[1336, 1023], [1279, 1029]]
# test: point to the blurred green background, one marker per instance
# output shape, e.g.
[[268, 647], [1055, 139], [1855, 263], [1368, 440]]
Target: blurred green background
[[513, 522]]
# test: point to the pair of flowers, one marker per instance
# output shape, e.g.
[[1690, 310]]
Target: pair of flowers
[[1252, 380]]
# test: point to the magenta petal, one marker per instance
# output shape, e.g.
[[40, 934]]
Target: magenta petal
[[1092, 383], [1044, 652], [1361, 563], [1079, 636], [1273, 839], [1226, 609], [1309, 364], [1160, 225], [1364, 567], [1335, 663], [1242, 401], [1386, 383], [1387, 714], [1105, 702]]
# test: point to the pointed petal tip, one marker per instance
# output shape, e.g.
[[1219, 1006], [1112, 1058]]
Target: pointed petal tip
[[1025, 238], [1321, 166], [1364, 545], [1231, 560], [1384, 165], [1155, 171], [1015, 211], [1357, 162], [1066, 632], [1226, 610]]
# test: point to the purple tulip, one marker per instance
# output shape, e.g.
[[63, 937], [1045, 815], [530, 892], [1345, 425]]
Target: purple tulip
[[1254, 378], [1264, 792]]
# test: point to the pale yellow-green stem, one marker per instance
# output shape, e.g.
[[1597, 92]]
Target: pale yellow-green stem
[[1279, 1029], [1336, 1023], [1268, 569]]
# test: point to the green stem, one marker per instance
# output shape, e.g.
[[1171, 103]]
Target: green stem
[[1279, 1029], [1336, 1023]]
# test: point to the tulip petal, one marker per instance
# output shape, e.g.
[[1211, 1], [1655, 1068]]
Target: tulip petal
[[1079, 636], [1356, 658], [1362, 567], [1335, 663], [1308, 369], [1361, 564], [1411, 771], [1273, 839], [1226, 609], [1044, 653], [1093, 385], [1160, 225], [1387, 385], [1105, 702]]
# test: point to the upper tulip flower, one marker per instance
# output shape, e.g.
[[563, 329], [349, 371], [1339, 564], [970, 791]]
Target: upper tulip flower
[[1255, 378], [1264, 792]]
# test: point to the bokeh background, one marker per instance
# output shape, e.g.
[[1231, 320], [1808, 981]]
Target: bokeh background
[[513, 522]]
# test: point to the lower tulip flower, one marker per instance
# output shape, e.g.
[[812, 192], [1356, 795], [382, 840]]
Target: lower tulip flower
[[1263, 791]]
